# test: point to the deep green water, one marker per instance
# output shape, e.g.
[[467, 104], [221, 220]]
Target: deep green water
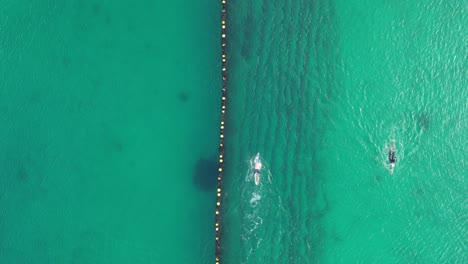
[[109, 116], [107, 111]]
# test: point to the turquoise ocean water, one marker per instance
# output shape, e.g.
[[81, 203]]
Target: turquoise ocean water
[[319, 88], [109, 116]]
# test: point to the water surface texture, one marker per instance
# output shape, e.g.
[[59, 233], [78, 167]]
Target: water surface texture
[[108, 123], [320, 88], [109, 114]]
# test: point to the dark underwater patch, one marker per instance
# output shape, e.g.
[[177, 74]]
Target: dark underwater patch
[[110, 140], [378, 178], [22, 173], [66, 61], [183, 97], [205, 175], [247, 36], [14, 169], [96, 9], [424, 121]]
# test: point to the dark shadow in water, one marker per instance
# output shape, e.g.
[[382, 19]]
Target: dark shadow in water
[[14, 169], [205, 175], [378, 178], [113, 143], [183, 97], [247, 36], [96, 9], [22, 174], [424, 121]]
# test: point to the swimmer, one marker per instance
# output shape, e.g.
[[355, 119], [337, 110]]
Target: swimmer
[[391, 156], [257, 168]]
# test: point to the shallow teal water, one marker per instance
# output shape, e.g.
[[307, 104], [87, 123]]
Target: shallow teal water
[[108, 114], [319, 89]]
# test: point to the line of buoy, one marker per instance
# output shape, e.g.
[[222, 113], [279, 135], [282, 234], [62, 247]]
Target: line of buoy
[[221, 131]]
